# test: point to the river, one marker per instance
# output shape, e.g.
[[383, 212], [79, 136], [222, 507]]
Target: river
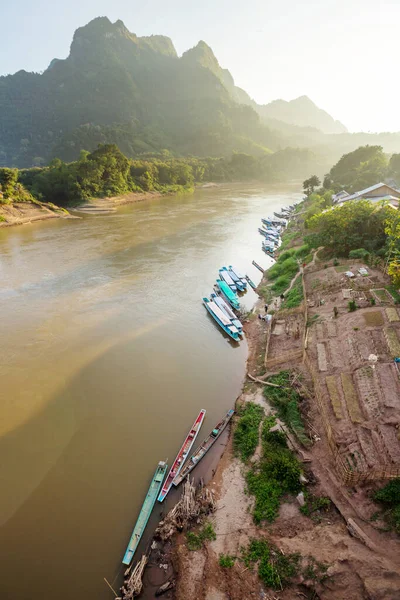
[[106, 357]]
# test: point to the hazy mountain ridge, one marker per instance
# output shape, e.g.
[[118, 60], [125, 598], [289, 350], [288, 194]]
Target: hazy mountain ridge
[[117, 87]]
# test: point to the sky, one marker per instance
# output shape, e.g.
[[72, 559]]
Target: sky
[[343, 54]]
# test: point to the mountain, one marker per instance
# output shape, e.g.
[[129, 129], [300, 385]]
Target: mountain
[[301, 112], [116, 87]]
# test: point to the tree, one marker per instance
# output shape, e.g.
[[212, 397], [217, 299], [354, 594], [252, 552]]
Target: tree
[[394, 167], [310, 184], [356, 224], [359, 169], [8, 181]]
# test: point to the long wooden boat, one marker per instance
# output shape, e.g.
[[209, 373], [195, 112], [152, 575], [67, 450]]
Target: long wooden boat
[[226, 309], [275, 222], [231, 296], [235, 273], [272, 232], [222, 319], [202, 450], [223, 273], [145, 512], [237, 282], [182, 455], [257, 266], [251, 283]]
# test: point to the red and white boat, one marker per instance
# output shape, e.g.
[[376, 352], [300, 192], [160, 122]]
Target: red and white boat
[[182, 455]]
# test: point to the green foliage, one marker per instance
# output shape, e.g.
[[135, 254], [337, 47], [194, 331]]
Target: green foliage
[[354, 225], [389, 496], [226, 561], [295, 296], [360, 253], [310, 184], [276, 474], [286, 400], [314, 504], [2, 219], [245, 437], [352, 306], [196, 541], [359, 169], [283, 271], [275, 569]]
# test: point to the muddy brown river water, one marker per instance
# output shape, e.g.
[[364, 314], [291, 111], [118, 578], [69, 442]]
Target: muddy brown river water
[[106, 357]]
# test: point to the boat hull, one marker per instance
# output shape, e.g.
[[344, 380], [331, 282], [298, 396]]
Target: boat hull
[[231, 296], [182, 455], [145, 512], [229, 328], [202, 450]]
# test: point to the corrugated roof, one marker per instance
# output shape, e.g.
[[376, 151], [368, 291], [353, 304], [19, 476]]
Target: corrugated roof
[[372, 188]]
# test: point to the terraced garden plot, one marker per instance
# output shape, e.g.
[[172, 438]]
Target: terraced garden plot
[[365, 344], [392, 314], [354, 354], [391, 441], [392, 341], [320, 331], [337, 354], [373, 318], [389, 382], [380, 344], [367, 446], [382, 295], [334, 396], [368, 393], [351, 398], [331, 328], [322, 361], [355, 457]]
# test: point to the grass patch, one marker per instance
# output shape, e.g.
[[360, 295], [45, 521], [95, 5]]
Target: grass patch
[[286, 400], [314, 504], [295, 296], [226, 561], [2, 219], [389, 497], [341, 268], [394, 292], [277, 570], [373, 318], [195, 541], [382, 295], [276, 474], [245, 437]]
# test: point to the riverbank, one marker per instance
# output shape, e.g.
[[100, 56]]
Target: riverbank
[[22, 213], [337, 528]]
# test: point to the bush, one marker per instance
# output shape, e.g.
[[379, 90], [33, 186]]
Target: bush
[[226, 561], [196, 541], [352, 306], [389, 495], [359, 253], [245, 437]]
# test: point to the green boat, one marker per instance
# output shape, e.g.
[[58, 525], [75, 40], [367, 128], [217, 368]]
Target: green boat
[[145, 512], [231, 296]]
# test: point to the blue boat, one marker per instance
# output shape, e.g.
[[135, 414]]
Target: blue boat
[[233, 277], [223, 321], [231, 296], [251, 283], [219, 301], [223, 273], [235, 273], [145, 512], [272, 232]]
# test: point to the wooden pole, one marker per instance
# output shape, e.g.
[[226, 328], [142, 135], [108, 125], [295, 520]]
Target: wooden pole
[[110, 586]]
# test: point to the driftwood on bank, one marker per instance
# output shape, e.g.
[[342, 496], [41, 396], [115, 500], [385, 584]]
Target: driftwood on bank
[[190, 507], [133, 584], [165, 588], [264, 382]]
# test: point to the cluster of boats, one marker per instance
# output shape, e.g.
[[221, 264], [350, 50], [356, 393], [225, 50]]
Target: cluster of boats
[[181, 467], [271, 230], [224, 300]]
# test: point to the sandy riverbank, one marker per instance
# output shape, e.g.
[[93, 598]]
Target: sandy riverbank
[[363, 559], [22, 213]]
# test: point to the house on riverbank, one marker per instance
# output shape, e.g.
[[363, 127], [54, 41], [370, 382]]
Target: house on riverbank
[[374, 193]]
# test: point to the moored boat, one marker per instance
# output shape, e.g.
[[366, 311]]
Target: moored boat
[[220, 302], [222, 319], [231, 296], [182, 455], [202, 450], [235, 272], [145, 512], [236, 280], [223, 273], [251, 283]]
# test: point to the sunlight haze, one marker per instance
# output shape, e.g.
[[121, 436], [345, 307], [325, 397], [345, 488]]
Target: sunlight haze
[[335, 52]]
